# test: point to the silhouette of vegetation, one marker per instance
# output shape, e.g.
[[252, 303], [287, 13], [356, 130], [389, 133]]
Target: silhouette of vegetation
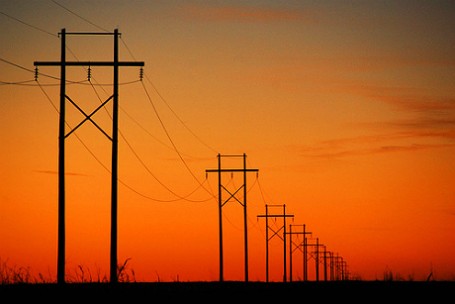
[[12, 274], [15, 274]]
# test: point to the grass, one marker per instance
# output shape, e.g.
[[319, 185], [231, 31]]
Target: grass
[[17, 283]]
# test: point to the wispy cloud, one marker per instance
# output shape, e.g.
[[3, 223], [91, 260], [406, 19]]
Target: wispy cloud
[[56, 172], [379, 144], [406, 98], [327, 152], [431, 116], [238, 13]]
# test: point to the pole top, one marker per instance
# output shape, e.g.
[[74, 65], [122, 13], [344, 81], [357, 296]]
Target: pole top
[[115, 33]]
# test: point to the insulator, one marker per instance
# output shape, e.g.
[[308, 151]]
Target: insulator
[[89, 73], [36, 73], [141, 73]]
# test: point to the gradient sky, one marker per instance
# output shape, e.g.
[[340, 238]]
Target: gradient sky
[[347, 108]]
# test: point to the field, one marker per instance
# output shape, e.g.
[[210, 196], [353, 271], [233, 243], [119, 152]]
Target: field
[[345, 291]]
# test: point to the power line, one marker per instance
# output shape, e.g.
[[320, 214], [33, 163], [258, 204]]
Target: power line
[[107, 169], [17, 65], [34, 71], [179, 197], [30, 25], [167, 104], [170, 139], [24, 82], [175, 148], [79, 16]]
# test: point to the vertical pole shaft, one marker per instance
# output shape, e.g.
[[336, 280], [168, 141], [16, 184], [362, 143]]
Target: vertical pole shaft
[[325, 263], [342, 269], [245, 222], [266, 244], [305, 262], [284, 243], [61, 167], [220, 217], [317, 259], [113, 264], [290, 253], [335, 267]]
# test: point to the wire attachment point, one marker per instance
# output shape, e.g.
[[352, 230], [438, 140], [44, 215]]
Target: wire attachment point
[[89, 73]]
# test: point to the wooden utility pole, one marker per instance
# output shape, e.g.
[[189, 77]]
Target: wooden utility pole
[[275, 233], [63, 64], [222, 202]]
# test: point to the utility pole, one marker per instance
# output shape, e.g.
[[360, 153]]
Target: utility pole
[[331, 266], [316, 258], [291, 249], [275, 233], [325, 262], [232, 195], [305, 253], [63, 64]]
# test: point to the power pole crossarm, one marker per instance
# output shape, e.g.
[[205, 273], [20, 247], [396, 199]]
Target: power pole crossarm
[[89, 63]]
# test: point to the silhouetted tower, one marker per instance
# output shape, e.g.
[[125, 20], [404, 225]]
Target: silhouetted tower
[[305, 253], [325, 262], [332, 266], [298, 246], [316, 257], [232, 195], [63, 135], [275, 233]]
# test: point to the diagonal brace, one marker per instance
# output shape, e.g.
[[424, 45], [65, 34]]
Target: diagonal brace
[[275, 233], [88, 117], [232, 195]]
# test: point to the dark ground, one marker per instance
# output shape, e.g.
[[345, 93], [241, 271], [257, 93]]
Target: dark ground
[[162, 292]]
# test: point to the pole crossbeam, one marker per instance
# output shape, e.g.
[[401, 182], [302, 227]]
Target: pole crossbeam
[[232, 170], [89, 63], [63, 64]]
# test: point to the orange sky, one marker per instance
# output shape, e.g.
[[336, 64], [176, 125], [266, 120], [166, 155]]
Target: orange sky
[[346, 109]]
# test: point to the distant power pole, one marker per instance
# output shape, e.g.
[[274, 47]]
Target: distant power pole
[[275, 233], [291, 249], [325, 262], [316, 258], [63, 135], [232, 195]]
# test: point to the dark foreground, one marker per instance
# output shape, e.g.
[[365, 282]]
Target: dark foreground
[[344, 291]]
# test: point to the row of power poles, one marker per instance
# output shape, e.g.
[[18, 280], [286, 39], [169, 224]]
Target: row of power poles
[[335, 264]]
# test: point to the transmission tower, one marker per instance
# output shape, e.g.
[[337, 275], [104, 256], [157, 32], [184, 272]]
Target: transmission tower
[[296, 246], [63, 64], [275, 233], [232, 195]]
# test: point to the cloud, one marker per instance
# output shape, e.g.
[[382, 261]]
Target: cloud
[[325, 152], [406, 98], [56, 172], [394, 142], [431, 116], [243, 14]]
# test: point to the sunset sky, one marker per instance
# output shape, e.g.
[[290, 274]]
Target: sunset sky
[[346, 108]]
